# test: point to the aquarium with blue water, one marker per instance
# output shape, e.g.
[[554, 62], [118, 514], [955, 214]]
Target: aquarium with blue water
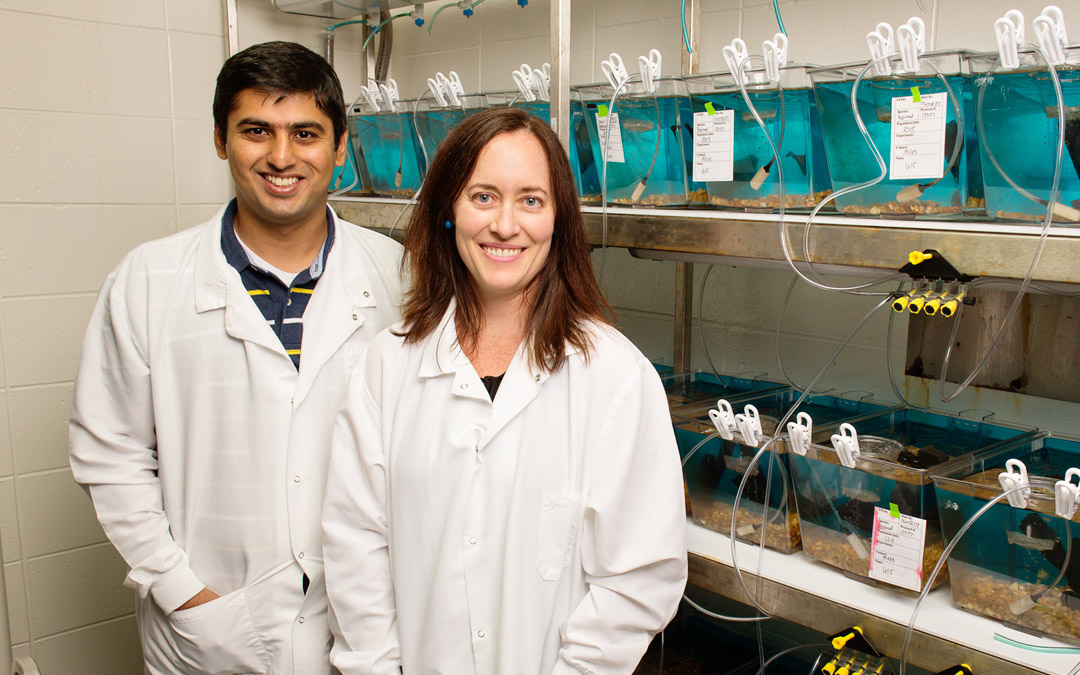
[[931, 164], [1017, 564], [840, 507], [704, 387], [714, 471], [352, 177], [586, 172], [1020, 126], [741, 172], [389, 147], [649, 147], [434, 121]]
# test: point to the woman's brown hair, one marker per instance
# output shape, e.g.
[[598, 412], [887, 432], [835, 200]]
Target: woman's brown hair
[[564, 296]]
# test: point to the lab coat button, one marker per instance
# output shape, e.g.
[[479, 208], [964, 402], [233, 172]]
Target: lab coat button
[[296, 479], [472, 540], [300, 555], [464, 385], [366, 294], [537, 377], [300, 620], [355, 316], [480, 633]]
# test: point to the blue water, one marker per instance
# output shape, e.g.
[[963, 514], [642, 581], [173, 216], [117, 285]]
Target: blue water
[[656, 145], [388, 142], [802, 153], [436, 124], [586, 173], [988, 561], [714, 472], [1022, 106], [708, 388], [851, 161]]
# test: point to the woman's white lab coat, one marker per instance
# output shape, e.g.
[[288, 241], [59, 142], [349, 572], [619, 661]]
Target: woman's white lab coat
[[539, 533], [205, 451]]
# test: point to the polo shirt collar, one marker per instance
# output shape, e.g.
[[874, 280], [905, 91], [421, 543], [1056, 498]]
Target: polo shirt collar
[[237, 257]]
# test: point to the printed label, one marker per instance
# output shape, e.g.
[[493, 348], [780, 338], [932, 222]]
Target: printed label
[[918, 137], [714, 146], [896, 549], [614, 146]]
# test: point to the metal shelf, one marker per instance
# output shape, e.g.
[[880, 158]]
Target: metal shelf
[[798, 589], [978, 249]]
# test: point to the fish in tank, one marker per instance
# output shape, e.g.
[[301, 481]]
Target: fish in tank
[[390, 150], [1023, 104], [958, 190]]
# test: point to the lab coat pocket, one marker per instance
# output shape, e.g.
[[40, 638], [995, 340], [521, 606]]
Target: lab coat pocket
[[556, 534], [219, 637]]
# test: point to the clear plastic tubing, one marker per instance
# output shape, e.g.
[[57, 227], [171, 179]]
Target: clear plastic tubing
[[1034, 261], [603, 177], [779, 431]]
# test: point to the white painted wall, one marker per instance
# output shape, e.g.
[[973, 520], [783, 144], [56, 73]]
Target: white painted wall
[[105, 108]]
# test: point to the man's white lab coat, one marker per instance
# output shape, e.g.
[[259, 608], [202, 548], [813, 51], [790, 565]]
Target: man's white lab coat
[[539, 533], [205, 451]]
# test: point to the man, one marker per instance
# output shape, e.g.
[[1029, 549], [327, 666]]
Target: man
[[211, 372]]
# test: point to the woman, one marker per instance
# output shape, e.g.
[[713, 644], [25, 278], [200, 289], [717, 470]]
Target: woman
[[505, 493]]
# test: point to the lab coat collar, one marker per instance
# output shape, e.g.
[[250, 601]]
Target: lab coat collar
[[332, 315], [443, 355]]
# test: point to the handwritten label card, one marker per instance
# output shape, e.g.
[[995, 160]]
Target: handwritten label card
[[614, 146], [714, 146], [896, 549], [918, 137]]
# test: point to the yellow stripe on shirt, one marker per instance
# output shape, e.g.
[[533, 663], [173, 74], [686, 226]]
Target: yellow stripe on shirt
[[292, 352], [259, 292], [309, 291]]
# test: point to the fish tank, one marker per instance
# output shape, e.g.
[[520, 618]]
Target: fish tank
[[434, 122], [932, 167], [713, 473], [748, 179], [389, 147], [650, 147], [586, 170], [1022, 104], [878, 520], [1018, 565], [352, 178], [705, 387]]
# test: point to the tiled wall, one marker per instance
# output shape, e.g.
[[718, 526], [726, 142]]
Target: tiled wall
[[105, 105], [105, 109]]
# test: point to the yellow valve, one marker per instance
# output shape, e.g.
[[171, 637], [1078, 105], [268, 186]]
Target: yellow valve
[[843, 670], [949, 307], [829, 668], [916, 257], [839, 641], [932, 306], [901, 303], [916, 304]]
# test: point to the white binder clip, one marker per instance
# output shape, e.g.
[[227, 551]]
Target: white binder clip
[[799, 433], [737, 58], [846, 444], [723, 418], [880, 42], [1016, 476], [1067, 495], [437, 92], [371, 95], [447, 85], [774, 52], [749, 423], [1009, 31], [912, 41], [650, 70], [614, 70], [523, 78], [1049, 29], [389, 91], [542, 82]]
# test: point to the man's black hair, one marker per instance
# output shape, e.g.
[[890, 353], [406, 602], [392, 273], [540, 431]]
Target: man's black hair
[[282, 68]]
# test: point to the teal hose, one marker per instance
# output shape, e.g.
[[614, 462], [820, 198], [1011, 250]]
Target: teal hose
[[375, 30], [331, 29], [779, 20], [431, 24], [685, 36]]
